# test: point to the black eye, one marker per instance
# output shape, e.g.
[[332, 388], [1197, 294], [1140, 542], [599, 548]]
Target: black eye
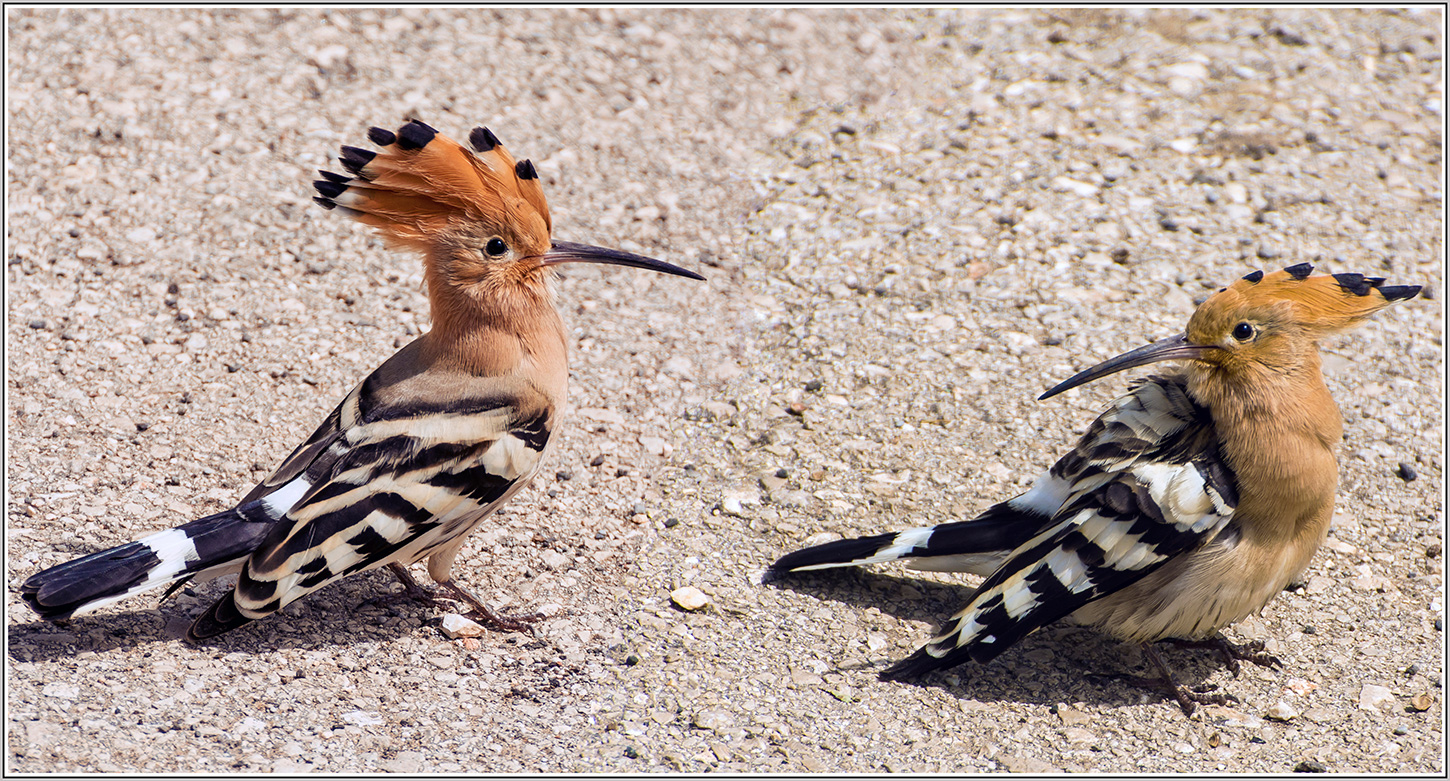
[[496, 247], [1243, 332]]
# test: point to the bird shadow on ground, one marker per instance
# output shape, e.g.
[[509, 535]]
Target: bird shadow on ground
[[1060, 663], [339, 615]]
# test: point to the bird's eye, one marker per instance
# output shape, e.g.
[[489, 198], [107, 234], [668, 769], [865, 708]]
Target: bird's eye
[[1243, 332], [496, 247]]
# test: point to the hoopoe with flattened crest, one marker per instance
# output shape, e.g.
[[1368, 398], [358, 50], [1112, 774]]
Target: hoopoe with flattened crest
[[429, 444], [1189, 504]]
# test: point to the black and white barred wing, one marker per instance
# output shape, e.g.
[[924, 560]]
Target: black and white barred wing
[[402, 481], [1157, 421], [1105, 540]]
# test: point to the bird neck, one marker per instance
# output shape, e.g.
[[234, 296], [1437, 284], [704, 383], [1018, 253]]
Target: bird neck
[[1277, 429], [513, 330]]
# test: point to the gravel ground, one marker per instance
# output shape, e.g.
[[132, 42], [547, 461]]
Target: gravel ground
[[912, 222]]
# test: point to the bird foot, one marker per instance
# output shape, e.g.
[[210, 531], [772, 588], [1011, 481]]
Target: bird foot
[[1233, 653], [480, 612], [504, 622], [1187, 699]]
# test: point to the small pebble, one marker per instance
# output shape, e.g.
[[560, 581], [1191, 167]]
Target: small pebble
[[1422, 702], [671, 523], [1406, 472], [689, 598], [456, 626], [1310, 766], [1281, 711]]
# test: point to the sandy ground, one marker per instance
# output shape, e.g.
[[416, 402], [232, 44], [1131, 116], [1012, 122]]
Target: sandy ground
[[912, 224]]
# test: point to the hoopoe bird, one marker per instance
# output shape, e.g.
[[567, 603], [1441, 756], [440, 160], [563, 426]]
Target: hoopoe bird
[[429, 444], [1189, 504]]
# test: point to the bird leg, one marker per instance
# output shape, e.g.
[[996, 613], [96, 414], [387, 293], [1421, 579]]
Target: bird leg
[[1233, 653], [480, 612]]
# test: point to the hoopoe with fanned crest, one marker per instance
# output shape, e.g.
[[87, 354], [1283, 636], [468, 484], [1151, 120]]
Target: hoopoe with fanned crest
[[429, 444], [1188, 505]]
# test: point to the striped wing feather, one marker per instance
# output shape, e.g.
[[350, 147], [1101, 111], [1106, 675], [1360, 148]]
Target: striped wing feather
[[1144, 484], [382, 481]]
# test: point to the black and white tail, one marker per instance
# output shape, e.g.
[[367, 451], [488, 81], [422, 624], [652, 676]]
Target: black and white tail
[[977, 546], [205, 548]]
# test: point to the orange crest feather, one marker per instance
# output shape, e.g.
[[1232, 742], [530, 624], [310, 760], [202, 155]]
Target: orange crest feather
[[424, 182], [1324, 303]]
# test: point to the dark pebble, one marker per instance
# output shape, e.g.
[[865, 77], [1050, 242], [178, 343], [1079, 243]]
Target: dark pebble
[[1439, 624], [814, 385], [1308, 630], [599, 459], [631, 752], [1406, 472], [564, 475], [621, 472], [671, 523], [1310, 766], [38, 324], [782, 473], [631, 660]]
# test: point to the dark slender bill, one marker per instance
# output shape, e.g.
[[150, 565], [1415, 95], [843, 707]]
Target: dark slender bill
[[1172, 348], [569, 252]]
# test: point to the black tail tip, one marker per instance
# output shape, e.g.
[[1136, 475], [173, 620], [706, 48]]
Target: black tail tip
[[773, 575], [912, 667]]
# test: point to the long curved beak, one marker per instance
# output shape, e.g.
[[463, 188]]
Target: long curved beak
[[1172, 348], [569, 252]]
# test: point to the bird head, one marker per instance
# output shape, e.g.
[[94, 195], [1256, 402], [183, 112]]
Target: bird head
[[1261, 323], [477, 215]]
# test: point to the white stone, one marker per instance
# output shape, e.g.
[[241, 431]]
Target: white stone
[[1371, 697], [456, 626], [689, 598], [1281, 711], [362, 718]]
